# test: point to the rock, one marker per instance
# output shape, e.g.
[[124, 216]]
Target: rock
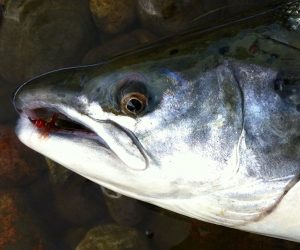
[[7, 111], [79, 201], [209, 236], [2, 7], [112, 237], [58, 174], [168, 16], [17, 230], [113, 16], [118, 45], [74, 236], [1, 11], [40, 198], [19, 165], [124, 210], [39, 36], [167, 229]]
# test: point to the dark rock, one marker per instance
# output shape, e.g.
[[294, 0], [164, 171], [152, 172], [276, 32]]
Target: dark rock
[[167, 229], [112, 237], [113, 16], [8, 114], [74, 236], [209, 236], [19, 165], [143, 36], [58, 174], [118, 45], [124, 210], [168, 16], [2, 5], [1, 11], [39, 197], [80, 201], [38, 36], [17, 230]]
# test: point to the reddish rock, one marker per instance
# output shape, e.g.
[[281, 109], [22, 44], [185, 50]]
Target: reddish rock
[[17, 231], [9, 215], [19, 165]]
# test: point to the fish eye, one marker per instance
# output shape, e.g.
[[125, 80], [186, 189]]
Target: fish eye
[[133, 103], [132, 97]]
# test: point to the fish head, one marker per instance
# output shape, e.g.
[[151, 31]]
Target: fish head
[[137, 131]]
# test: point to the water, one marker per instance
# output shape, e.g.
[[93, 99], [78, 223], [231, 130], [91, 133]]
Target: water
[[45, 206]]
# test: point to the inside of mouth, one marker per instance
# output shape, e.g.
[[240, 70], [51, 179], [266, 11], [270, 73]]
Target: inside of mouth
[[51, 120]]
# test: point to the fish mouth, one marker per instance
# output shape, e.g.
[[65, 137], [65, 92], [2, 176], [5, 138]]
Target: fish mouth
[[69, 124], [50, 120]]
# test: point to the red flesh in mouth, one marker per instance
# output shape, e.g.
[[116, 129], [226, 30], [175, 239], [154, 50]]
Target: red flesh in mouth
[[45, 125]]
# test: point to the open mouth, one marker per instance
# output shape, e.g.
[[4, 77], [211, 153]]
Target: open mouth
[[50, 120]]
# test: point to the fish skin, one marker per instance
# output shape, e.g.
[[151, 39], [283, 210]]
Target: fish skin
[[219, 139]]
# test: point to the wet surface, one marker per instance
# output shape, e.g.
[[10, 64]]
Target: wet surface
[[45, 206]]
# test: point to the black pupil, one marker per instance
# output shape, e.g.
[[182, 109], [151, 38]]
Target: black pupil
[[134, 105]]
